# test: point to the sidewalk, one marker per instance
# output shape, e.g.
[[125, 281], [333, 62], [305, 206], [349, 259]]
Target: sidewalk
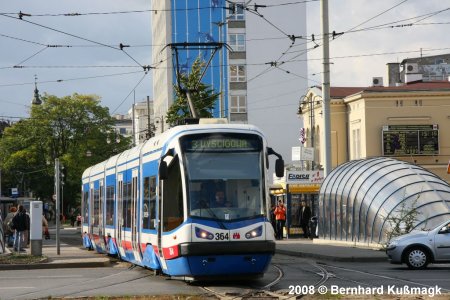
[[78, 257], [69, 257], [310, 249]]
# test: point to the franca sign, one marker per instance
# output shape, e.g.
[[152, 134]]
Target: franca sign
[[304, 176]]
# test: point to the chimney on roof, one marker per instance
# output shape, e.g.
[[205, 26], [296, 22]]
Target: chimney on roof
[[393, 74]]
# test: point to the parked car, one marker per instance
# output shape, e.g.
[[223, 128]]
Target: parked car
[[419, 248]]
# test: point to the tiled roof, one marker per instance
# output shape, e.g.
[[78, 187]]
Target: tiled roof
[[342, 92]]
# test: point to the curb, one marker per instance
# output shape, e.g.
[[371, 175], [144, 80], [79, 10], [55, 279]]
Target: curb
[[47, 264], [331, 258]]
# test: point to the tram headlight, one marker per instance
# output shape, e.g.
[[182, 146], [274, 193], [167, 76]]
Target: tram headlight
[[203, 234], [254, 233]]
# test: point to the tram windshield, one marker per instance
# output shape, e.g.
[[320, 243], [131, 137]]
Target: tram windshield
[[224, 175]]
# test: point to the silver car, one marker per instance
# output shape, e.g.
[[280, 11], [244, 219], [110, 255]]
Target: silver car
[[419, 248]]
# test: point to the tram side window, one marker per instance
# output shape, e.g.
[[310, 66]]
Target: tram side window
[[96, 206], [149, 208], [127, 204], [110, 205], [173, 198], [85, 206]]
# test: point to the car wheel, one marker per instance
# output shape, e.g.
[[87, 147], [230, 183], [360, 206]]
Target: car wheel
[[417, 258]]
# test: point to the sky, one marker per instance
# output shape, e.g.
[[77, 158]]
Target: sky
[[94, 63]]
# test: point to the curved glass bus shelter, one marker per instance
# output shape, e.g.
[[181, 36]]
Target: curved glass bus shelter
[[358, 199]]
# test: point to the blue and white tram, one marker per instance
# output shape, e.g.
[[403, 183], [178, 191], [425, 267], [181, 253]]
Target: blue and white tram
[[154, 205]]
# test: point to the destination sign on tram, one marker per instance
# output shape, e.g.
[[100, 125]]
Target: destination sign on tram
[[410, 140], [222, 143]]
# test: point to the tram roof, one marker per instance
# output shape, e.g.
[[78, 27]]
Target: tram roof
[[159, 141]]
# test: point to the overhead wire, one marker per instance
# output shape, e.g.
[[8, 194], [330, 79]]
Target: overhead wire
[[22, 40], [70, 79], [270, 67], [78, 14], [123, 101], [27, 59], [72, 35]]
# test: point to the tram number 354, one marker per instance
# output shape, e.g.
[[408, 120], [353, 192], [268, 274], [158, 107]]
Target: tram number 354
[[221, 236]]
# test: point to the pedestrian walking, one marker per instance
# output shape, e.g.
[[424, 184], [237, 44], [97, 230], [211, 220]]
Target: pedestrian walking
[[19, 223], [305, 216], [78, 220], [8, 226], [280, 216], [45, 228]]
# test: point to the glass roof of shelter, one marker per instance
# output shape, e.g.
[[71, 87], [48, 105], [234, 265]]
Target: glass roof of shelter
[[361, 200]]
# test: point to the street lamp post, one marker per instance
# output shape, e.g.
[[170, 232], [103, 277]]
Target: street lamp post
[[311, 108], [58, 195]]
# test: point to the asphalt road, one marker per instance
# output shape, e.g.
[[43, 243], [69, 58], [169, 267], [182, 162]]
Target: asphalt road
[[288, 276]]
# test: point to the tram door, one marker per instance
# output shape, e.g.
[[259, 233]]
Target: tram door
[[120, 223], [101, 228], [135, 216], [160, 223], [170, 210], [91, 212]]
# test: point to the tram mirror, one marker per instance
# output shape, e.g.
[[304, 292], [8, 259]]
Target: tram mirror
[[163, 170], [279, 163], [279, 167]]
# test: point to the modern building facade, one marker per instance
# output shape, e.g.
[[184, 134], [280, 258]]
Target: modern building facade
[[202, 21]]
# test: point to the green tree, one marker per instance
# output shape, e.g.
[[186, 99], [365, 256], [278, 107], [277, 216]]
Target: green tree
[[403, 219], [64, 128], [202, 95]]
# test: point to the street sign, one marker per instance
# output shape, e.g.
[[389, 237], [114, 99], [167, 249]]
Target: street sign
[[295, 153], [14, 192], [307, 154]]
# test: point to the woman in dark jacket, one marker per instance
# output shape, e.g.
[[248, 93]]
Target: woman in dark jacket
[[20, 225]]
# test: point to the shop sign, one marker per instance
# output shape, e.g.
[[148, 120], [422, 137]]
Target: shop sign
[[293, 177]]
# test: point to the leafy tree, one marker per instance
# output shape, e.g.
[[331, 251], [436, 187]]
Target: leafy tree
[[3, 125], [64, 128], [202, 95], [404, 219]]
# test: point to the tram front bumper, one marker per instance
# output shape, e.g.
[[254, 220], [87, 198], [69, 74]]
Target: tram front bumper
[[227, 248]]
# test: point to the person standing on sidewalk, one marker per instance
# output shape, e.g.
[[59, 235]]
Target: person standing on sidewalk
[[8, 231], [305, 216], [45, 228], [280, 216], [20, 225]]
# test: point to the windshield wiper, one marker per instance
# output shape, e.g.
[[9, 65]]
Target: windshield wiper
[[206, 206]]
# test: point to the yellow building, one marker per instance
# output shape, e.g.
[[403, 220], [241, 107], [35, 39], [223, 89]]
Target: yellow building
[[410, 122]]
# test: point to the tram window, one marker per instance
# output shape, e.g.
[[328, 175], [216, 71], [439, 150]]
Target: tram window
[[173, 198], [96, 206], [85, 206], [149, 209], [110, 205], [127, 204]]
